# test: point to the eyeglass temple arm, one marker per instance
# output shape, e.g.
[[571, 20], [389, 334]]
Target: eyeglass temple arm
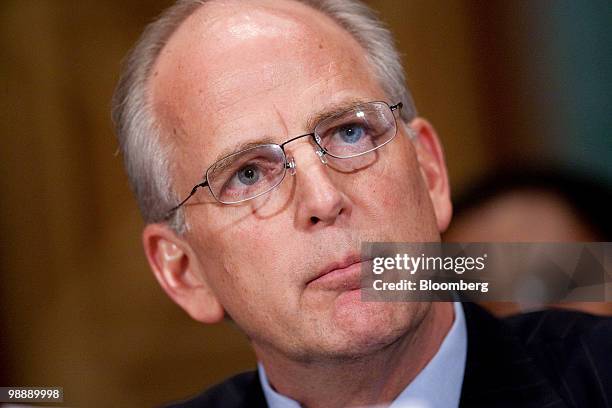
[[193, 191], [398, 106]]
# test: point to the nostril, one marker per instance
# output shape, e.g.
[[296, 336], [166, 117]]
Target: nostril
[[314, 220]]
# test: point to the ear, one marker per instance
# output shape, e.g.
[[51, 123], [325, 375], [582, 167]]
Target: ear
[[433, 170], [179, 273]]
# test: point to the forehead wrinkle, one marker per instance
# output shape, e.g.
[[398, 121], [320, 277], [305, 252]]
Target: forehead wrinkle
[[236, 125], [254, 140], [326, 72], [228, 90]]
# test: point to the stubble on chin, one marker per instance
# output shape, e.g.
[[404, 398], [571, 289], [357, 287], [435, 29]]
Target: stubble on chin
[[357, 335]]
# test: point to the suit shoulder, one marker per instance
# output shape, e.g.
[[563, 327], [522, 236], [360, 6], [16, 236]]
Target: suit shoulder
[[573, 349], [242, 390], [560, 325]]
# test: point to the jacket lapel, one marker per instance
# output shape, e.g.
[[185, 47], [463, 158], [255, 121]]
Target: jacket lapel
[[254, 397]]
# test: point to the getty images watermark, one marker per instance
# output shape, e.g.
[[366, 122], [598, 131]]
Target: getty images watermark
[[412, 264], [520, 272]]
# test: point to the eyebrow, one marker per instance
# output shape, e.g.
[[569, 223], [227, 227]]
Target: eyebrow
[[240, 147], [311, 122], [332, 111]]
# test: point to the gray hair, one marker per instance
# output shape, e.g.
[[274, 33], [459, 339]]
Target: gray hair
[[147, 159]]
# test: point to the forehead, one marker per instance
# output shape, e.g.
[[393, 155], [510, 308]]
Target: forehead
[[236, 65]]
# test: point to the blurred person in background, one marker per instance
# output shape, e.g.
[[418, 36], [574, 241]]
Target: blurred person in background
[[534, 204], [264, 141]]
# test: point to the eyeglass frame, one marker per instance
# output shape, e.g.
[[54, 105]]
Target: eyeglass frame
[[289, 164]]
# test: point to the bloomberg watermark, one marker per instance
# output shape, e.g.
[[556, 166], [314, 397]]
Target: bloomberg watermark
[[517, 272]]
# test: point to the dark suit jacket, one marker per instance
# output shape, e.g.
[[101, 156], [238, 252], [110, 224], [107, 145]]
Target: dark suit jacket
[[548, 359]]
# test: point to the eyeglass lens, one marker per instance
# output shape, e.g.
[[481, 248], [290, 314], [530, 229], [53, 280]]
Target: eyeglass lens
[[253, 172], [357, 131]]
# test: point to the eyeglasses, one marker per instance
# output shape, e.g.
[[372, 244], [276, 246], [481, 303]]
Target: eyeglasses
[[252, 172]]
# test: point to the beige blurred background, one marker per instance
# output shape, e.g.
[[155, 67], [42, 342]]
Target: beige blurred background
[[79, 307]]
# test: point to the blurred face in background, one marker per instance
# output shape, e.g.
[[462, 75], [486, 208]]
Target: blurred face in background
[[238, 72], [521, 215], [525, 215]]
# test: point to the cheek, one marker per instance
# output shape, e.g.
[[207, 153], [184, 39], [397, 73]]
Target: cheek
[[403, 177], [397, 196], [247, 258], [394, 184], [252, 276]]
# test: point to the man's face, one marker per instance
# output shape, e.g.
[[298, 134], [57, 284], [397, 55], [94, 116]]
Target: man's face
[[242, 72]]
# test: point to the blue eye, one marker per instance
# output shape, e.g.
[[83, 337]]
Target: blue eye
[[351, 133], [248, 175]]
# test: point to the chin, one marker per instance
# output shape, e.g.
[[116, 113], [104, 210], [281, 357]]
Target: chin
[[369, 328]]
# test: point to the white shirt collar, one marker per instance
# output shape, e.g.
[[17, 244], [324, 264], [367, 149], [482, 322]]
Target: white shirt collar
[[438, 385]]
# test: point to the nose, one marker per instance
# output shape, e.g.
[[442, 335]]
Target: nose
[[320, 202]]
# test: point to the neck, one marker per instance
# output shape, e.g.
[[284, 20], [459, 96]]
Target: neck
[[377, 378]]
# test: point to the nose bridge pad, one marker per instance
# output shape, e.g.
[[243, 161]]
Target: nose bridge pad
[[321, 153], [291, 165]]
